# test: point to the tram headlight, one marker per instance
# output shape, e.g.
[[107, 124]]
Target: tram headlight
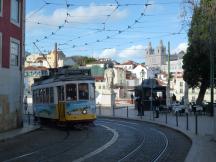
[[84, 111]]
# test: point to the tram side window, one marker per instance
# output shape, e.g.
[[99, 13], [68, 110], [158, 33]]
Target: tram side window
[[60, 90], [46, 98], [41, 96], [83, 91], [92, 91], [71, 92], [51, 95], [37, 96], [34, 96]]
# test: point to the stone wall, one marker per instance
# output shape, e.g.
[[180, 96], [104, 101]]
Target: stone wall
[[9, 120], [10, 99], [215, 123]]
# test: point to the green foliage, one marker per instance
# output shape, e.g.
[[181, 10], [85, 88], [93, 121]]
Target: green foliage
[[83, 60], [196, 62]]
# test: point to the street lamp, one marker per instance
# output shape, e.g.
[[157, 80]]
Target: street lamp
[[142, 73], [151, 82]]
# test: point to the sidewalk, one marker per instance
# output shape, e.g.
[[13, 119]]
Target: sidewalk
[[27, 127], [199, 129]]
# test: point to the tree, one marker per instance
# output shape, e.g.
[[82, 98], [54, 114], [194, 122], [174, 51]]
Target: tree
[[83, 60], [196, 62]]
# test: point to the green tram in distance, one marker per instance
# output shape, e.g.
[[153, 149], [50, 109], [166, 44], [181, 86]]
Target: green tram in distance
[[65, 96]]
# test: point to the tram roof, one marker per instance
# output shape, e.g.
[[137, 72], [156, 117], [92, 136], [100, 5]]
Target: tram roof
[[64, 74]]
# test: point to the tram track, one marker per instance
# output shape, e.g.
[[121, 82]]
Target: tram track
[[125, 141], [126, 157], [67, 134]]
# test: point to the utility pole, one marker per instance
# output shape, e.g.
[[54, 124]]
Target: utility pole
[[56, 56], [211, 71], [168, 84]]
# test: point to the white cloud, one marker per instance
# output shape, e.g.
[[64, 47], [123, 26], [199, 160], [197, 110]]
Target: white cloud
[[181, 47], [135, 53], [80, 14], [108, 53]]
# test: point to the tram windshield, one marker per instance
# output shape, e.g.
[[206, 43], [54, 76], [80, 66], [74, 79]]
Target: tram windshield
[[71, 92], [92, 91], [83, 91]]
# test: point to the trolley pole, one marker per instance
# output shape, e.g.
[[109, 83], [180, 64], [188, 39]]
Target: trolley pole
[[168, 79], [56, 56]]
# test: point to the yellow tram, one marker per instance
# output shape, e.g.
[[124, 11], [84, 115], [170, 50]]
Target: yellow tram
[[66, 95]]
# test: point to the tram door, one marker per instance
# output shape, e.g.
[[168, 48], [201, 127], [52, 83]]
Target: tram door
[[61, 103]]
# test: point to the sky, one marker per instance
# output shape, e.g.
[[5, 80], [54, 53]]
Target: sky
[[116, 29]]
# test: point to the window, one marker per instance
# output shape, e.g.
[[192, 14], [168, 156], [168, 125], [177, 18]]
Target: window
[[83, 91], [60, 90], [181, 84], [0, 48], [71, 92], [181, 90], [92, 91], [1, 7], [46, 98], [51, 95], [14, 52], [193, 98], [15, 12]]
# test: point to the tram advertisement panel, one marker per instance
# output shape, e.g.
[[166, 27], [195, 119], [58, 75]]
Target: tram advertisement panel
[[46, 111], [78, 107]]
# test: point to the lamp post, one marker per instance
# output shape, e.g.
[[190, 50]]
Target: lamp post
[[152, 99], [142, 76], [150, 78]]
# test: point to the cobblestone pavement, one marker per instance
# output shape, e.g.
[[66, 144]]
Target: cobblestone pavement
[[109, 140]]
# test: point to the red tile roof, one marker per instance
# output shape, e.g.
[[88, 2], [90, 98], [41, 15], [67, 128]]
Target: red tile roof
[[129, 62]]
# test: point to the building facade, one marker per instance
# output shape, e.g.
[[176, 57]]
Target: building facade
[[48, 60], [155, 57], [30, 73], [12, 50]]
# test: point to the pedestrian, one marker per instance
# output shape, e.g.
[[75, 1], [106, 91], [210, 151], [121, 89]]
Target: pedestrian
[[25, 104], [157, 104], [132, 98], [138, 103], [173, 98]]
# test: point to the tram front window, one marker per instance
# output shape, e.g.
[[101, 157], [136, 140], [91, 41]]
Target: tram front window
[[71, 92], [92, 91], [83, 91]]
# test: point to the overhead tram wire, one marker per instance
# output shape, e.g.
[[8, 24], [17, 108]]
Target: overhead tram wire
[[59, 27], [119, 45], [42, 54], [108, 37], [119, 31], [35, 12], [109, 15]]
